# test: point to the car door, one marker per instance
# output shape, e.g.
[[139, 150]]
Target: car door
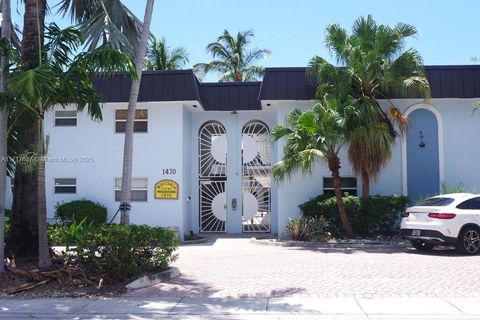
[[470, 209]]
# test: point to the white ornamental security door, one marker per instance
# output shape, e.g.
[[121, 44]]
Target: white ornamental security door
[[256, 177], [212, 162]]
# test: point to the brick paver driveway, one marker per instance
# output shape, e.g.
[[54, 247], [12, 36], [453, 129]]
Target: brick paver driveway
[[238, 268]]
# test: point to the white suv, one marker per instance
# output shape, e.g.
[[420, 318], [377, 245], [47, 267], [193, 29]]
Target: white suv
[[449, 219]]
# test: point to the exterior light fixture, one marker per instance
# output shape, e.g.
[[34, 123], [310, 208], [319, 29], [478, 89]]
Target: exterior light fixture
[[422, 143]]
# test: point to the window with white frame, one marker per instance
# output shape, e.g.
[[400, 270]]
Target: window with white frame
[[347, 185], [140, 124], [65, 118], [138, 190], [65, 185]]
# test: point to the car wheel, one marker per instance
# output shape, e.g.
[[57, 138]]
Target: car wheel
[[469, 241], [422, 246]]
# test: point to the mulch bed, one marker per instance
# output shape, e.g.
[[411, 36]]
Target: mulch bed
[[56, 282]]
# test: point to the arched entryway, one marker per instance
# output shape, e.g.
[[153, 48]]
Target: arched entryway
[[423, 154]]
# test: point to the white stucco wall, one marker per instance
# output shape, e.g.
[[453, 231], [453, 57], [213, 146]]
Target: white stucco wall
[[160, 148], [171, 142]]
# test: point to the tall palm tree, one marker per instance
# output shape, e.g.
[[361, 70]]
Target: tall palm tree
[[161, 57], [60, 79], [22, 238], [233, 59], [373, 65], [125, 195], [316, 134], [104, 21], [6, 33]]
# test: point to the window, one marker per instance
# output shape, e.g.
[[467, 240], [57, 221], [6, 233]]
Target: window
[[472, 204], [139, 189], [140, 124], [347, 185], [65, 118], [65, 185], [435, 202]]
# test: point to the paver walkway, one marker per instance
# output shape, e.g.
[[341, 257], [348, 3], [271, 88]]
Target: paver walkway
[[237, 268]]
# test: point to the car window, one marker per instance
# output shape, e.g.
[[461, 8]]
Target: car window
[[435, 202], [471, 204]]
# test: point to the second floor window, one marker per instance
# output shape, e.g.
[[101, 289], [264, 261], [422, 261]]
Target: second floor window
[[140, 124], [65, 118]]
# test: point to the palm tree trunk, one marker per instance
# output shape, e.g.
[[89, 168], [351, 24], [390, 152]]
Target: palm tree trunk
[[132, 104], [43, 249], [334, 166], [6, 33], [23, 236], [365, 185]]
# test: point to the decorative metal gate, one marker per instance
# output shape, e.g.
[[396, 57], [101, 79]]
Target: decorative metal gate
[[256, 177], [212, 165]]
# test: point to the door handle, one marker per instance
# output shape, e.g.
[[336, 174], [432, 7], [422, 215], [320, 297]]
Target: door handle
[[234, 204]]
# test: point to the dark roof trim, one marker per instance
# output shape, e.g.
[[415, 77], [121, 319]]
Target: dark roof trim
[[447, 81]]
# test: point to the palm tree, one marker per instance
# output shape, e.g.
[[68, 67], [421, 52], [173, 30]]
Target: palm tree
[[161, 57], [125, 195], [373, 65], [232, 58], [6, 33], [316, 134], [22, 238], [104, 21], [60, 79]]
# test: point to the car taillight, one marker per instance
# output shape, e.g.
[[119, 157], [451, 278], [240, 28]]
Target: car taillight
[[441, 215], [405, 214]]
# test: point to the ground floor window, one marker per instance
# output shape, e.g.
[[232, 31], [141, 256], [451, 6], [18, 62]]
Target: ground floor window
[[65, 185], [138, 191], [347, 185]]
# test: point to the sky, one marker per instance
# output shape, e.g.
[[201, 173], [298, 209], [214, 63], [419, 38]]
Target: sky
[[293, 30]]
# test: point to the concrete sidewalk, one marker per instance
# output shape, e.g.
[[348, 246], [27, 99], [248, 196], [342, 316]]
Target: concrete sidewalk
[[248, 308]]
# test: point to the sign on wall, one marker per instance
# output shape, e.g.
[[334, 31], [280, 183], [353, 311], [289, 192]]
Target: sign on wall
[[166, 189]]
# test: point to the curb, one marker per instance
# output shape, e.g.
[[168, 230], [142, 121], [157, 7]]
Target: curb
[[201, 240], [362, 244], [152, 279]]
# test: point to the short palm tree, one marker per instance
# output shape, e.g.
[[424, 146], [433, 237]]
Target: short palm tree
[[373, 65], [161, 57], [316, 134], [232, 58]]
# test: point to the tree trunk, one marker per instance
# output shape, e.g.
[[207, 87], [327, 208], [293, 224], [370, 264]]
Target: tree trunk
[[334, 166], [132, 104], [23, 237], [6, 33], [43, 249], [365, 185]]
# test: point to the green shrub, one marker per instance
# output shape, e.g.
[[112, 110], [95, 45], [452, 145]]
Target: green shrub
[[308, 228], [62, 234], [78, 210], [126, 251], [376, 215], [327, 207]]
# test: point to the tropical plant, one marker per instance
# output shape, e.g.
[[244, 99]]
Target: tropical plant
[[60, 79], [373, 65], [6, 34], [104, 22], [233, 59], [125, 194], [161, 57], [316, 134]]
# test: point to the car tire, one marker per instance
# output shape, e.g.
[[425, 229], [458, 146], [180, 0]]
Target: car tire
[[468, 241], [422, 246]]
